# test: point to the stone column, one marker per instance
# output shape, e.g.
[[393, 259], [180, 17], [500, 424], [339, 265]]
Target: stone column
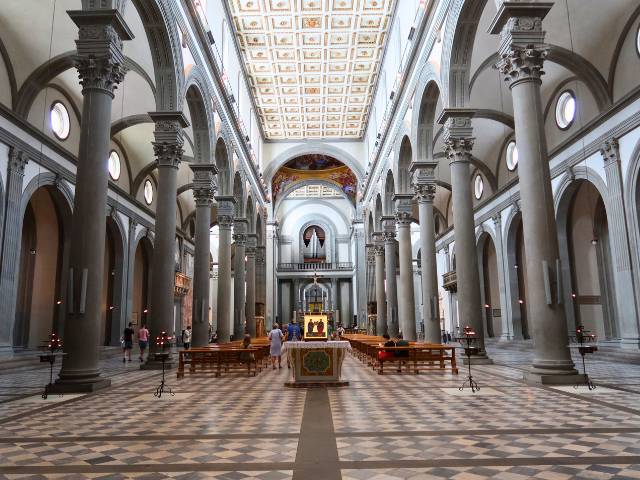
[[381, 295], [99, 61], [12, 236], [168, 149], [424, 183], [240, 240], [406, 295], [458, 144], [616, 218], [203, 191], [271, 282], [261, 284], [503, 266], [389, 234], [522, 54], [226, 208], [250, 307]]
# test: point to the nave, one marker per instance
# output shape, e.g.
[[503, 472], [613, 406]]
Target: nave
[[394, 426]]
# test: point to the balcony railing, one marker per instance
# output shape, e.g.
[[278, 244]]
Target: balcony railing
[[450, 281], [310, 267]]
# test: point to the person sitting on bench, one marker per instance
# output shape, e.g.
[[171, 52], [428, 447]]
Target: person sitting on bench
[[385, 354], [400, 342]]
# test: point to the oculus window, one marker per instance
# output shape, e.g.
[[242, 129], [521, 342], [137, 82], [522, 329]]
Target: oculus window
[[478, 187], [148, 191], [565, 109], [512, 156], [114, 165], [59, 118]]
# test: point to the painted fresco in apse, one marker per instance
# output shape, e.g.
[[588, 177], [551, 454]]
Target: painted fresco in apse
[[315, 167]]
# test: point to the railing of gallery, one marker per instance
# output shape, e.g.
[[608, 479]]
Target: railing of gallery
[[310, 267]]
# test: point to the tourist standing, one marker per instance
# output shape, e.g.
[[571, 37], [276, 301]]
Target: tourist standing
[[143, 340], [127, 338], [293, 332], [275, 349], [186, 338]]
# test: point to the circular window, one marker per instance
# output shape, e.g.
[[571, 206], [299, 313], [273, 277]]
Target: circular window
[[148, 191], [59, 118], [565, 109], [478, 187], [114, 165], [638, 40], [512, 156]]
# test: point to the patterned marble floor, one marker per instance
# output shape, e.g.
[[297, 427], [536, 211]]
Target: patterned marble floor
[[395, 426]]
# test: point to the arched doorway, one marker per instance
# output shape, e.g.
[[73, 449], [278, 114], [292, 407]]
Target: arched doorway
[[40, 296], [490, 287], [141, 275], [517, 278], [583, 217], [112, 284]]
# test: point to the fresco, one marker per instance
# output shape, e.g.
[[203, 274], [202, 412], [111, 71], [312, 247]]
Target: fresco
[[315, 167]]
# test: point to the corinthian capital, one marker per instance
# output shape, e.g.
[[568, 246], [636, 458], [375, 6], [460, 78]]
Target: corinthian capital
[[425, 193], [225, 222], [240, 239], [458, 149], [168, 136], [17, 161], [522, 48], [99, 59], [522, 63], [204, 186]]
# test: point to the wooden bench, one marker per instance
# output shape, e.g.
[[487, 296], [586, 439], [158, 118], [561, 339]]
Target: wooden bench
[[221, 358], [423, 356]]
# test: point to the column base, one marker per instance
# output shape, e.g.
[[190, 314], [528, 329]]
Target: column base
[[482, 359], [554, 379], [625, 343], [553, 372], [6, 351], [79, 386], [152, 364]]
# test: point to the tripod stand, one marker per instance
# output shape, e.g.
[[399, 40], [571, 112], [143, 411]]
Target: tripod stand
[[468, 340]]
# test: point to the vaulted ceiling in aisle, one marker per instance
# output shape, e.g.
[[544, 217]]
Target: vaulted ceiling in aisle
[[312, 64]]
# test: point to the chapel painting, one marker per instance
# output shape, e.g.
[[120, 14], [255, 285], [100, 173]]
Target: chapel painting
[[315, 167]]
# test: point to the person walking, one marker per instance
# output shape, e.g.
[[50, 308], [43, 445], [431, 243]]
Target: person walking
[[143, 340], [186, 338], [127, 345], [293, 335], [275, 349]]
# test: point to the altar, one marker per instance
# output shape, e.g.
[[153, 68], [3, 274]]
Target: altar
[[316, 363]]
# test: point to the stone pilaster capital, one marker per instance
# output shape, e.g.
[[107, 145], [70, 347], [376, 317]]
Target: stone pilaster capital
[[610, 151], [225, 222], [99, 59], [17, 161], [425, 193], [204, 185], [250, 251], [133, 225], [497, 219]]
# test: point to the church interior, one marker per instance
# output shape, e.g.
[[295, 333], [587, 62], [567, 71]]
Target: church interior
[[320, 239]]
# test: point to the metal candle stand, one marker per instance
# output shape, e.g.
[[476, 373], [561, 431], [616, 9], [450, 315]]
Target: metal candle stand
[[468, 339], [53, 345], [585, 340], [163, 341]]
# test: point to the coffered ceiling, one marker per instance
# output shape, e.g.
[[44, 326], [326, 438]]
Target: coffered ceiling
[[312, 64]]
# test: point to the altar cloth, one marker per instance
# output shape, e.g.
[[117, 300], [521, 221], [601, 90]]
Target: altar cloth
[[316, 363]]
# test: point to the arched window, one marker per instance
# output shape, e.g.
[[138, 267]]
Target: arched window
[[565, 109], [512, 156], [59, 119], [114, 165]]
